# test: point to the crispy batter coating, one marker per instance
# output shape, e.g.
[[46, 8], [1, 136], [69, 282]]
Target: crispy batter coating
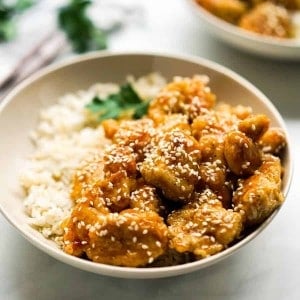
[[254, 126], [242, 154], [131, 238], [260, 194], [268, 19], [215, 122], [145, 197], [185, 96], [273, 141], [228, 10], [204, 229], [172, 165], [135, 134]]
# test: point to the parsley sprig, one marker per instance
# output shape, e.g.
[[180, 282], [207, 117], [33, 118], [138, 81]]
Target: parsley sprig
[[125, 102]]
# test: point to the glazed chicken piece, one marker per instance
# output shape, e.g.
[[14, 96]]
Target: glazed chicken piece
[[204, 229], [228, 10], [135, 134], [172, 165], [241, 153], [175, 122], [268, 19], [188, 96], [259, 195], [214, 122], [145, 197], [273, 141], [131, 238], [107, 182], [254, 126], [239, 111]]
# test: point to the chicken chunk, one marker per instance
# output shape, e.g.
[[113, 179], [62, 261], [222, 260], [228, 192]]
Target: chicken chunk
[[228, 10], [259, 195], [135, 134], [107, 182], [145, 197], [130, 238], [215, 122], [255, 126], [241, 153], [186, 96], [205, 229], [268, 19], [172, 165], [273, 141]]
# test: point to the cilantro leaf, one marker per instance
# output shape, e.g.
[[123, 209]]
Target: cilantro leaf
[[80, 30], [126, 101]]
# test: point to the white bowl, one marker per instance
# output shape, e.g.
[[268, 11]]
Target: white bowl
[[288, 49], [19, 114]]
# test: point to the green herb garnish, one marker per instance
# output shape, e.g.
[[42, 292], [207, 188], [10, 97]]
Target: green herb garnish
[[125, 102], [80, 30], [8, 13]]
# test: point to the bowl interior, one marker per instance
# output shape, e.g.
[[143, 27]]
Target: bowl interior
[[19, 114]]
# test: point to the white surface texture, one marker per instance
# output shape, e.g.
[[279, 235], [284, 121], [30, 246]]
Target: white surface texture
[[266, 268]]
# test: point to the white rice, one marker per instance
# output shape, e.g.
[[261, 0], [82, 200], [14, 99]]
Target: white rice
[[62, 139]]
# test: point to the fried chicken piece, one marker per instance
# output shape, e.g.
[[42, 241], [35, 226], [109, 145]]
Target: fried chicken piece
[[228, 10], [241, 153], [268, 19], [212, 148], [259, 195], [145, 197], [255, 126], [203, 229], [273, 141], [239, 111], [186, 96], [110, 127], [175, 122], [172, 165], [214, 122], [131, 238], [135, 134], [107, 181]]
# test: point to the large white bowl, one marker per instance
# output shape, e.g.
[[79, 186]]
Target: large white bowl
[[287, 49], [19, 114]]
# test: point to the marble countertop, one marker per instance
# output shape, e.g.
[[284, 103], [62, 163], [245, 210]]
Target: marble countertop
[[266, 268]]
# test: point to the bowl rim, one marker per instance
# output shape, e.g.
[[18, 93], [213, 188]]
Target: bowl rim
[[154, 272], [241, 33]]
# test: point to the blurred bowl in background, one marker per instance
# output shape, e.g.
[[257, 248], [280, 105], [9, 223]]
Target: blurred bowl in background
[[287, 49]]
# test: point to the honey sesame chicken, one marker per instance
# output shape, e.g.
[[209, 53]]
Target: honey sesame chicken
[[229, 10], [129, 238], [184, 182], [259, 195], [172, 165], [187, 96], [205, 229], [268, 19]]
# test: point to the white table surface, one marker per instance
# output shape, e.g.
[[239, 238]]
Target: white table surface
[[266, 268]]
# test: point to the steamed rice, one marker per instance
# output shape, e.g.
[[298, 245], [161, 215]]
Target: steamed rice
[[64, 137]]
